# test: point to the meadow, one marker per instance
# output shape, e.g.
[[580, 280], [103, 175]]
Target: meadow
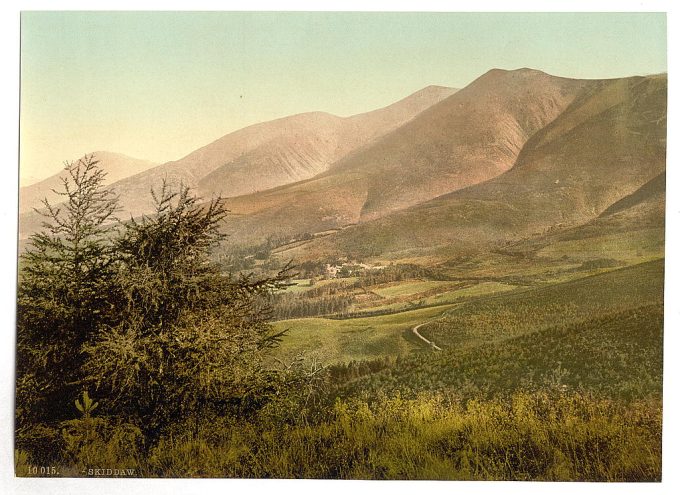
[[332, 341]]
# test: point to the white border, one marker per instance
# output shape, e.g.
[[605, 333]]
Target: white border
[[354, 5], [9, 31]]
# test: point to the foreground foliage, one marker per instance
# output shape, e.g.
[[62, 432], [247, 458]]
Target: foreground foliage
[[533, 436]]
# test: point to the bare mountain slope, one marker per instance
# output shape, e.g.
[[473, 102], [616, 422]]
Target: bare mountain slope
[[274, 153], [117, 166], [302, 152], [607, 145], [305, 148], [472, 136]]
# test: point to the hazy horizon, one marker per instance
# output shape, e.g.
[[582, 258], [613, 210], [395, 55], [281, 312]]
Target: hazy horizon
[[158, 85]]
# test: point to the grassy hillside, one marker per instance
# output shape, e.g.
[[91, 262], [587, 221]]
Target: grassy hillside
[[617, 355], [652, 192], [332, 341], [529, 310], [602, 333]]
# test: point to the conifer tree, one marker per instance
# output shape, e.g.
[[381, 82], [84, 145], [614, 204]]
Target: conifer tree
[[64, 277]]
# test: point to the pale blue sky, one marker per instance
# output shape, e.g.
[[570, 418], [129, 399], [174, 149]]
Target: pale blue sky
[[159, 85]]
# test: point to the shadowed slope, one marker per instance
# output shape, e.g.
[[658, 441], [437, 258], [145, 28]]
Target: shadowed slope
[[650, 195]]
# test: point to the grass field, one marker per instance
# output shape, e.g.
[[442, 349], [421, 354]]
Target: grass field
[[409, 288], [476, 290], [484, 312], [445, 297], [303, 284], [333, 341], [634, 246]]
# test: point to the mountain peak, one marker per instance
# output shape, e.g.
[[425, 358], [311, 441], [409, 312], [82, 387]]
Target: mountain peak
[[529, 70], [117, 166], [523, 71], [435, 88]]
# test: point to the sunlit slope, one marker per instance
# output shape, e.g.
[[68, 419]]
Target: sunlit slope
[[470, 137], [274, 153], [609, 143], [309, 145]]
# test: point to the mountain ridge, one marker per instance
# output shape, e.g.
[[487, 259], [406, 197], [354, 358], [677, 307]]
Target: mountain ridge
[[609, 143], [240, 162], [455, 143], [512, 154]]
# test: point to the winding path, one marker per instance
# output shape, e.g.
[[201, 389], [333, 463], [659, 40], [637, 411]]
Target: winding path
[[428, 342]]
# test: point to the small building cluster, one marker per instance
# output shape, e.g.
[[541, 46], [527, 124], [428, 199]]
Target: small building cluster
[[348, 269]]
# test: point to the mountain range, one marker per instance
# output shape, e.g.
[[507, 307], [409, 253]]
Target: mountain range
[[514, 154], [274, 153], [603, 154]]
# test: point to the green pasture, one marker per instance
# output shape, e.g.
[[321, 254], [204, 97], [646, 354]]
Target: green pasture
[[334, 341]]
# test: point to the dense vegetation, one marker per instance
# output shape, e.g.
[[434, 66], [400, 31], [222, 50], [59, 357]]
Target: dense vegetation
[[519, 312], [137, 350], [322, 300], [434, 436], [135, 314]]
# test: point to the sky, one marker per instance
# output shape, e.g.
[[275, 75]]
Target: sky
[[158, 85]]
